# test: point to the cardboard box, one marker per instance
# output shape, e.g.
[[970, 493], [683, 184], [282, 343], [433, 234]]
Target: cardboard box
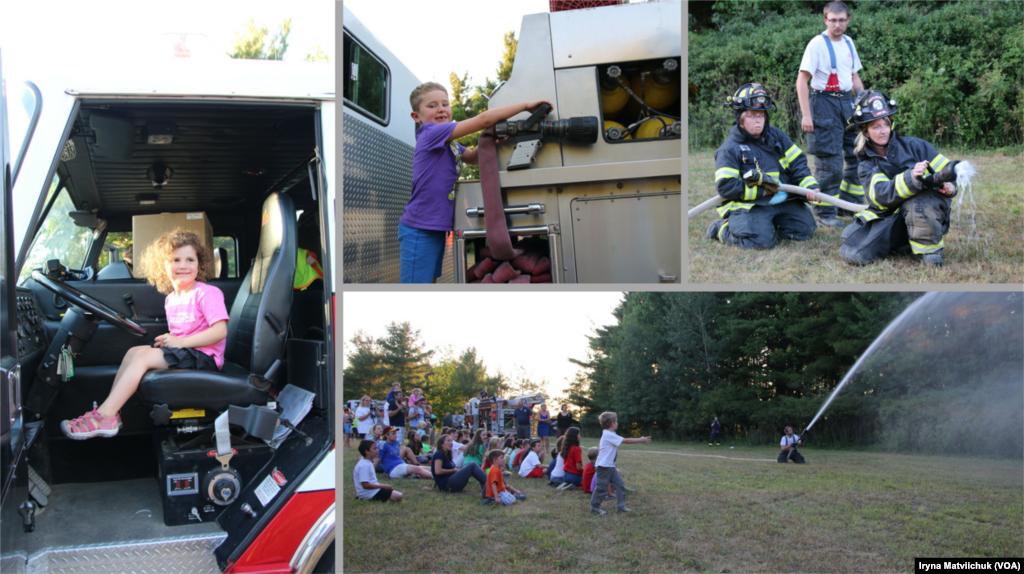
[[146, 228]]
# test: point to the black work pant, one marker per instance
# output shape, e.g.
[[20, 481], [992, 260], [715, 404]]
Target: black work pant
[[832, 146], [716, 436], [762, 226], [918, 227], [785, 457]]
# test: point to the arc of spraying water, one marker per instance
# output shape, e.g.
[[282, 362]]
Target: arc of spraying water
[[890, 327]]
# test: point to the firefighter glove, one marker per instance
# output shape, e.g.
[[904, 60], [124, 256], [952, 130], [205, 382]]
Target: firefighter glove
[[762, 180]]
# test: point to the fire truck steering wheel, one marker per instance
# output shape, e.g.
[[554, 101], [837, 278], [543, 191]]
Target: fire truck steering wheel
[[89, 304]]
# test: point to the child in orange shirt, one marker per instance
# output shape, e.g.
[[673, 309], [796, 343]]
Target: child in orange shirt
[[496, 491]]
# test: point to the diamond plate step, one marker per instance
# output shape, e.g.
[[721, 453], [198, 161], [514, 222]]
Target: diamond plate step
[[186, 555]]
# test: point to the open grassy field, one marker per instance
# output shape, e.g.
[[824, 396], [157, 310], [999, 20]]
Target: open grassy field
[[844, 511], [999, 197]]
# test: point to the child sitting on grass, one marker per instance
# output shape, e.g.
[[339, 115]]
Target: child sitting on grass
[[497, 491], [437, 163], [573, 466], [590, 476], [556, 470], [533, 466], [516, 447], [493, 444], [176, 264], [392, 455], [366, 480], [606, 472]]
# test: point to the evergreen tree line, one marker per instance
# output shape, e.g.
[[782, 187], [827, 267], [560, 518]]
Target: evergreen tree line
[[448, 379], [956, 69], [947, 382]]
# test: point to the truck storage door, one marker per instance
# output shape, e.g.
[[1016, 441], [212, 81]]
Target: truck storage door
[[10, 407]]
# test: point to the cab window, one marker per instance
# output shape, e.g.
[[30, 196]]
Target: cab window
[[58, 238], [367, 81]]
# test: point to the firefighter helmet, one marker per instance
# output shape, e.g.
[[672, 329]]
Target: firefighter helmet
[[751, 97], [869, 106]]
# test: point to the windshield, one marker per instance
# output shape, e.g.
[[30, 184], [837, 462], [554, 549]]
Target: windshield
[[59, 237]]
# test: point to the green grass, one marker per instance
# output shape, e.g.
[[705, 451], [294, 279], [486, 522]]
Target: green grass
[[844, 511], [999, 217]]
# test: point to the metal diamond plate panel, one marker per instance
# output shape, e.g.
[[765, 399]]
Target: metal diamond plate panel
[[189, 555], [13, 564], [377, 184]]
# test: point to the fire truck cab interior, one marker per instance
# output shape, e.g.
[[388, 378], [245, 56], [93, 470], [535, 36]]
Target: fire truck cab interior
[[252, 169]]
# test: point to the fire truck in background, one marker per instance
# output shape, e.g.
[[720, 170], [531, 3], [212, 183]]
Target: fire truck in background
[[595, 187], [199, 478]]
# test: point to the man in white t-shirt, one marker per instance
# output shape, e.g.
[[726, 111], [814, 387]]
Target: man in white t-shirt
[[365, 478], [789, 444], [831, 64]]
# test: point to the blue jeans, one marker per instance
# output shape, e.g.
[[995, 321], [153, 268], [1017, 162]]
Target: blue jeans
[[422, 253], [576, 479]]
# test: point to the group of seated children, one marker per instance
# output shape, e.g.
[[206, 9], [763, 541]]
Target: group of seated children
[[456, 458]]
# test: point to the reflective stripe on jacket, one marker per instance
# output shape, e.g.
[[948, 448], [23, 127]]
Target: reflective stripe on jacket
[[888, 181], [774, 153]]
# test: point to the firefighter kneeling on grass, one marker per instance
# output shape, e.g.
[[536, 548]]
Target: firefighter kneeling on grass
[[908, 185], [748, 168]]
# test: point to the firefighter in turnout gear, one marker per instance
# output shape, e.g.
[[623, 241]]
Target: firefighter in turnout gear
[[748, 168], [908, 188]]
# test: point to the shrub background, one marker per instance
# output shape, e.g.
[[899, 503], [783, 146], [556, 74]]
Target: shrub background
[[956, 69]]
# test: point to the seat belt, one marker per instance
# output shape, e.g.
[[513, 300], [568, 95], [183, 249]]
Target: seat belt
[[498, 238], [833, 79]]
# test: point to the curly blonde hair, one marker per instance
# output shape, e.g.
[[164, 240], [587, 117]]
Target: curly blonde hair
[[152, 264]]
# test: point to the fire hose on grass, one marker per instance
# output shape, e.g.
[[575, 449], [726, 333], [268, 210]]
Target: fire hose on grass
[[808, 193]]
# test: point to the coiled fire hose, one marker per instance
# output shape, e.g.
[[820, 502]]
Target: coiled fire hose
[[814, 196]]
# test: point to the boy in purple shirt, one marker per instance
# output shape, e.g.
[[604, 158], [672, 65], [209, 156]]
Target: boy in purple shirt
[[436, 165]]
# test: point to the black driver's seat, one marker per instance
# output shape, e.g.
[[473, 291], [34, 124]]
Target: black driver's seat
[[256, 337]]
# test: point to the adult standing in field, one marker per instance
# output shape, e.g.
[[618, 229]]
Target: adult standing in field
[[396, 414], [564, 421], [523, 416], [447, 421], [789, 444], [716, 433], [544, 424], [363, 413], [831, 64]]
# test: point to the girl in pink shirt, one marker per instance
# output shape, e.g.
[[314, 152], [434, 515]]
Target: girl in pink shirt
[[176, 264]]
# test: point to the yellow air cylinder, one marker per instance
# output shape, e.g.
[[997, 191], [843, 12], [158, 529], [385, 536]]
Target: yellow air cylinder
[[658, 92], [613, 100], [652, 127], [611, 124]]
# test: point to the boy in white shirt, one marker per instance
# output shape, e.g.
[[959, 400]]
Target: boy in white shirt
[[365, 478], [531, 467], [606, 472]]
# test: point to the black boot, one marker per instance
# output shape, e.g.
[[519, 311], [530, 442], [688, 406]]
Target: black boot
[[714, 230]]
